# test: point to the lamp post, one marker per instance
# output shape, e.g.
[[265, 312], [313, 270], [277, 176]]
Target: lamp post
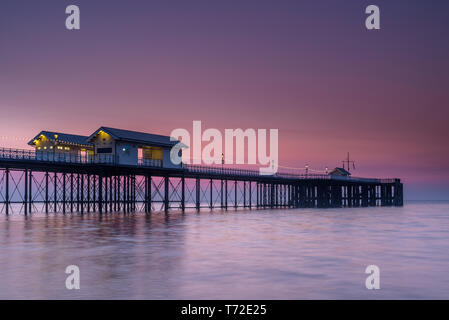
[[54, 148]]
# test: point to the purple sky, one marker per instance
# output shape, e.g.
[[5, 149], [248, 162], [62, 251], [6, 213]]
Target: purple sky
[[308, 68]]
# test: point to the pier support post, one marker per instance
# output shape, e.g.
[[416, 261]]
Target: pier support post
[[250, 195], [64, 200], [82, 193], [221, 194], [71, 192], [118, 179], [55, 192], [349, 196], [364, 195], [358, 196], [135, 194], [257, 195], [183, 195], [146, 194], [320, 196], [308, 196], [110, 191], [7, 191], [390, 194], [124, 194], [25, 198], [275, 195], [235, 195], [398, 194], [78, 192], [226, 194], [88, 192], [100, 193], [166, 194], [30, 192], [198, 194], [371, 195], [290, 195], [105, 196], [262, 195], [127, 193], [383, 196], [300, 196], [94, 193], [244, 194], [46, 192], [116, 193], [211, 204]]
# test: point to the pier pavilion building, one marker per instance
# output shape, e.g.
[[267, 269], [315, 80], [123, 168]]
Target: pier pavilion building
[[106, 145], [52, 145]]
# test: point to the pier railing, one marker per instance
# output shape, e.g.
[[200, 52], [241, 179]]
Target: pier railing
[[149, 162], [20, 154], [50, 156], [32, 155], [248, 172], [253, 173]]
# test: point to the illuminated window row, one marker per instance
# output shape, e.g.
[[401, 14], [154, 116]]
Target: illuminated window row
[[51, 147]]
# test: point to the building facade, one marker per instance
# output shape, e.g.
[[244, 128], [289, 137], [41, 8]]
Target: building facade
[[60, 146], [107, 145]]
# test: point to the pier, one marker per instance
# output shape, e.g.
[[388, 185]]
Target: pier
[[86, 184]]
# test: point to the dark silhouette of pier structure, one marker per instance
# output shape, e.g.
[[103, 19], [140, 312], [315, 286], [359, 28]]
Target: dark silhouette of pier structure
[[87, 185]]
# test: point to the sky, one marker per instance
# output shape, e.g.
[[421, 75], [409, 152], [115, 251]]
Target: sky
[[308, 68]]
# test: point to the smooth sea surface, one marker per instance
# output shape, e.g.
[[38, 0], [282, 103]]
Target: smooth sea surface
[[244, 254]]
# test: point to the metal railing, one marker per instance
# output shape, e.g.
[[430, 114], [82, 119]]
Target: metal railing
[[49, 156], [219, 170], [61, 157], [8, 153], [244, 172], [149, 163]]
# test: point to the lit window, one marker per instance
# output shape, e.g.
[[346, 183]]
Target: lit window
[[38, 148], [59, 147], [66, 148], [45, 147], [51, 147]]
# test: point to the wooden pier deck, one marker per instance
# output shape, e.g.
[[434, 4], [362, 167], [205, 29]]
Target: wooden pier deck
[[31, 184]]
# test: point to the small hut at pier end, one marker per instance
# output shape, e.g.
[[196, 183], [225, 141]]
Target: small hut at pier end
[[340, 172]]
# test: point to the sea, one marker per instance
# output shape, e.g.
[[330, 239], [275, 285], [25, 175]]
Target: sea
[[233, 254]]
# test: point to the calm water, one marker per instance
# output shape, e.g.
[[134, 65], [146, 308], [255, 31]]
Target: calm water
[[278, 254]]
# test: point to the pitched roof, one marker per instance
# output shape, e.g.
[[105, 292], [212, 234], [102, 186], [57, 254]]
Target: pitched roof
[[341, 171], [137, 137], [62, 137]]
